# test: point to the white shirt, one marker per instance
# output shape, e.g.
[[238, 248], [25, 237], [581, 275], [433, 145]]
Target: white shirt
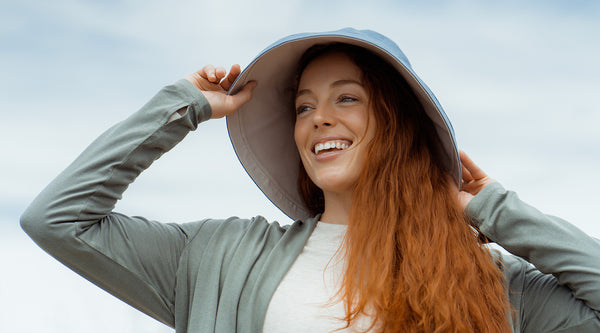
[[304, 299]]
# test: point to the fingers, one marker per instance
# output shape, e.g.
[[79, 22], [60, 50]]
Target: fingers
[[200, 80], [223, 105], [470, 170], [216, 75], [233, 74], [214, 82], [211, 78], [220, 73], [474, 179], [466, 175], [209, 73]]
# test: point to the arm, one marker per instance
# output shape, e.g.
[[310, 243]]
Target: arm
[[561, 291], [72, 219]]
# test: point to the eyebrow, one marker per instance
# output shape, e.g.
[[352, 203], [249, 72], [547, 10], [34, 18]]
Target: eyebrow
[[333, 85]]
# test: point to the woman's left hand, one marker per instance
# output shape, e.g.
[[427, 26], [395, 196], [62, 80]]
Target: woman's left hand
[[474, 180]]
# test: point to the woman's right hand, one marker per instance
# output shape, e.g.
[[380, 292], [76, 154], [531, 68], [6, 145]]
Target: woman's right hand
[[214, 83]]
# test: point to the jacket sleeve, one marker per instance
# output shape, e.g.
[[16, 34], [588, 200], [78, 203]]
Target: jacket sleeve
[[133, 258], [560, 290]]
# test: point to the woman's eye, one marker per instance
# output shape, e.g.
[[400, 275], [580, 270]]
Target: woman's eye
[[302, 108], [346, 99]]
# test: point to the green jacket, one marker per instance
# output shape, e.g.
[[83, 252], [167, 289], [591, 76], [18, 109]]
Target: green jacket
[[219, 275]]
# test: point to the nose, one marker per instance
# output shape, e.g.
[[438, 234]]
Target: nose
[[324, 117]]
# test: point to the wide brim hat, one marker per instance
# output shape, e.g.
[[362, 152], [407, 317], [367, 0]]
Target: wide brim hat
[[262, 131]]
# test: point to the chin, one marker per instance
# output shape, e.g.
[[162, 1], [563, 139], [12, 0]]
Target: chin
[[334, 183]]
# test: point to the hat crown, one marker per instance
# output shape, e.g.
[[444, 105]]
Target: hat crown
[[365, 35]]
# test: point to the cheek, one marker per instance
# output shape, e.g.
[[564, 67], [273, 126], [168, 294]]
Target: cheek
[[363, 126], [299, 134], [296, 136], [371, 125]]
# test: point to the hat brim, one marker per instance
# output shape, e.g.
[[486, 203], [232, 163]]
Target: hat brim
[[262, 131]]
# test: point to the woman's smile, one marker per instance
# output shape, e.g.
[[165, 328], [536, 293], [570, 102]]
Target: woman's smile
[[334, 122], [326, 147]]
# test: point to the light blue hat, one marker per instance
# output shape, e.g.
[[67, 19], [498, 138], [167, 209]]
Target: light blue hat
[[262, 131]]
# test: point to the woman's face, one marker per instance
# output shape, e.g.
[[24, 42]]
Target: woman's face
[[334, 122]]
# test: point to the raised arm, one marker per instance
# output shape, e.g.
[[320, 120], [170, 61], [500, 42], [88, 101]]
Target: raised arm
[[72, 219], [561, 291]]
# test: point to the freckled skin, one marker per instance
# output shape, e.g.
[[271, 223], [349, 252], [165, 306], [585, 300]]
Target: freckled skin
[[333, 103]]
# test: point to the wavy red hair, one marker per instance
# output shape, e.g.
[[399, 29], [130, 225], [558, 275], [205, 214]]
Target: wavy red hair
[[413, 263]]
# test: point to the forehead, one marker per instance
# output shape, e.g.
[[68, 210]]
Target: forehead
[[328, 68]]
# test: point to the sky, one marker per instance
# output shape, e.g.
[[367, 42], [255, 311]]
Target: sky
[[519, 81]]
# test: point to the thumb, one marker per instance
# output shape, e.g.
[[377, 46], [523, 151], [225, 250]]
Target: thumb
[[243, 96], [224, 105]]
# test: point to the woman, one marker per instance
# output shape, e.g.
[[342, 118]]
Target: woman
[[381, 241]]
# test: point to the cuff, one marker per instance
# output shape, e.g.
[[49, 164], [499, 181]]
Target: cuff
[[482, 205]]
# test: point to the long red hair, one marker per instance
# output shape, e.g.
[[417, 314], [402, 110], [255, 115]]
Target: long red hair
[[413, 263]]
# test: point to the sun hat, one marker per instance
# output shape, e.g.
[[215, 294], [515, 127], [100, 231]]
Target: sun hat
[[262, 131]]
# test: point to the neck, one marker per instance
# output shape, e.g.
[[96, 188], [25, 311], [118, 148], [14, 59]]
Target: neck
[[337, 207]]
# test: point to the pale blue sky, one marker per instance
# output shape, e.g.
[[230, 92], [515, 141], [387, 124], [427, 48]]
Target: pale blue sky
[[520, 83]]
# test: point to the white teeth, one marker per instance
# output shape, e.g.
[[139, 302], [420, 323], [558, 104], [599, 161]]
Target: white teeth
[[329, 145]]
